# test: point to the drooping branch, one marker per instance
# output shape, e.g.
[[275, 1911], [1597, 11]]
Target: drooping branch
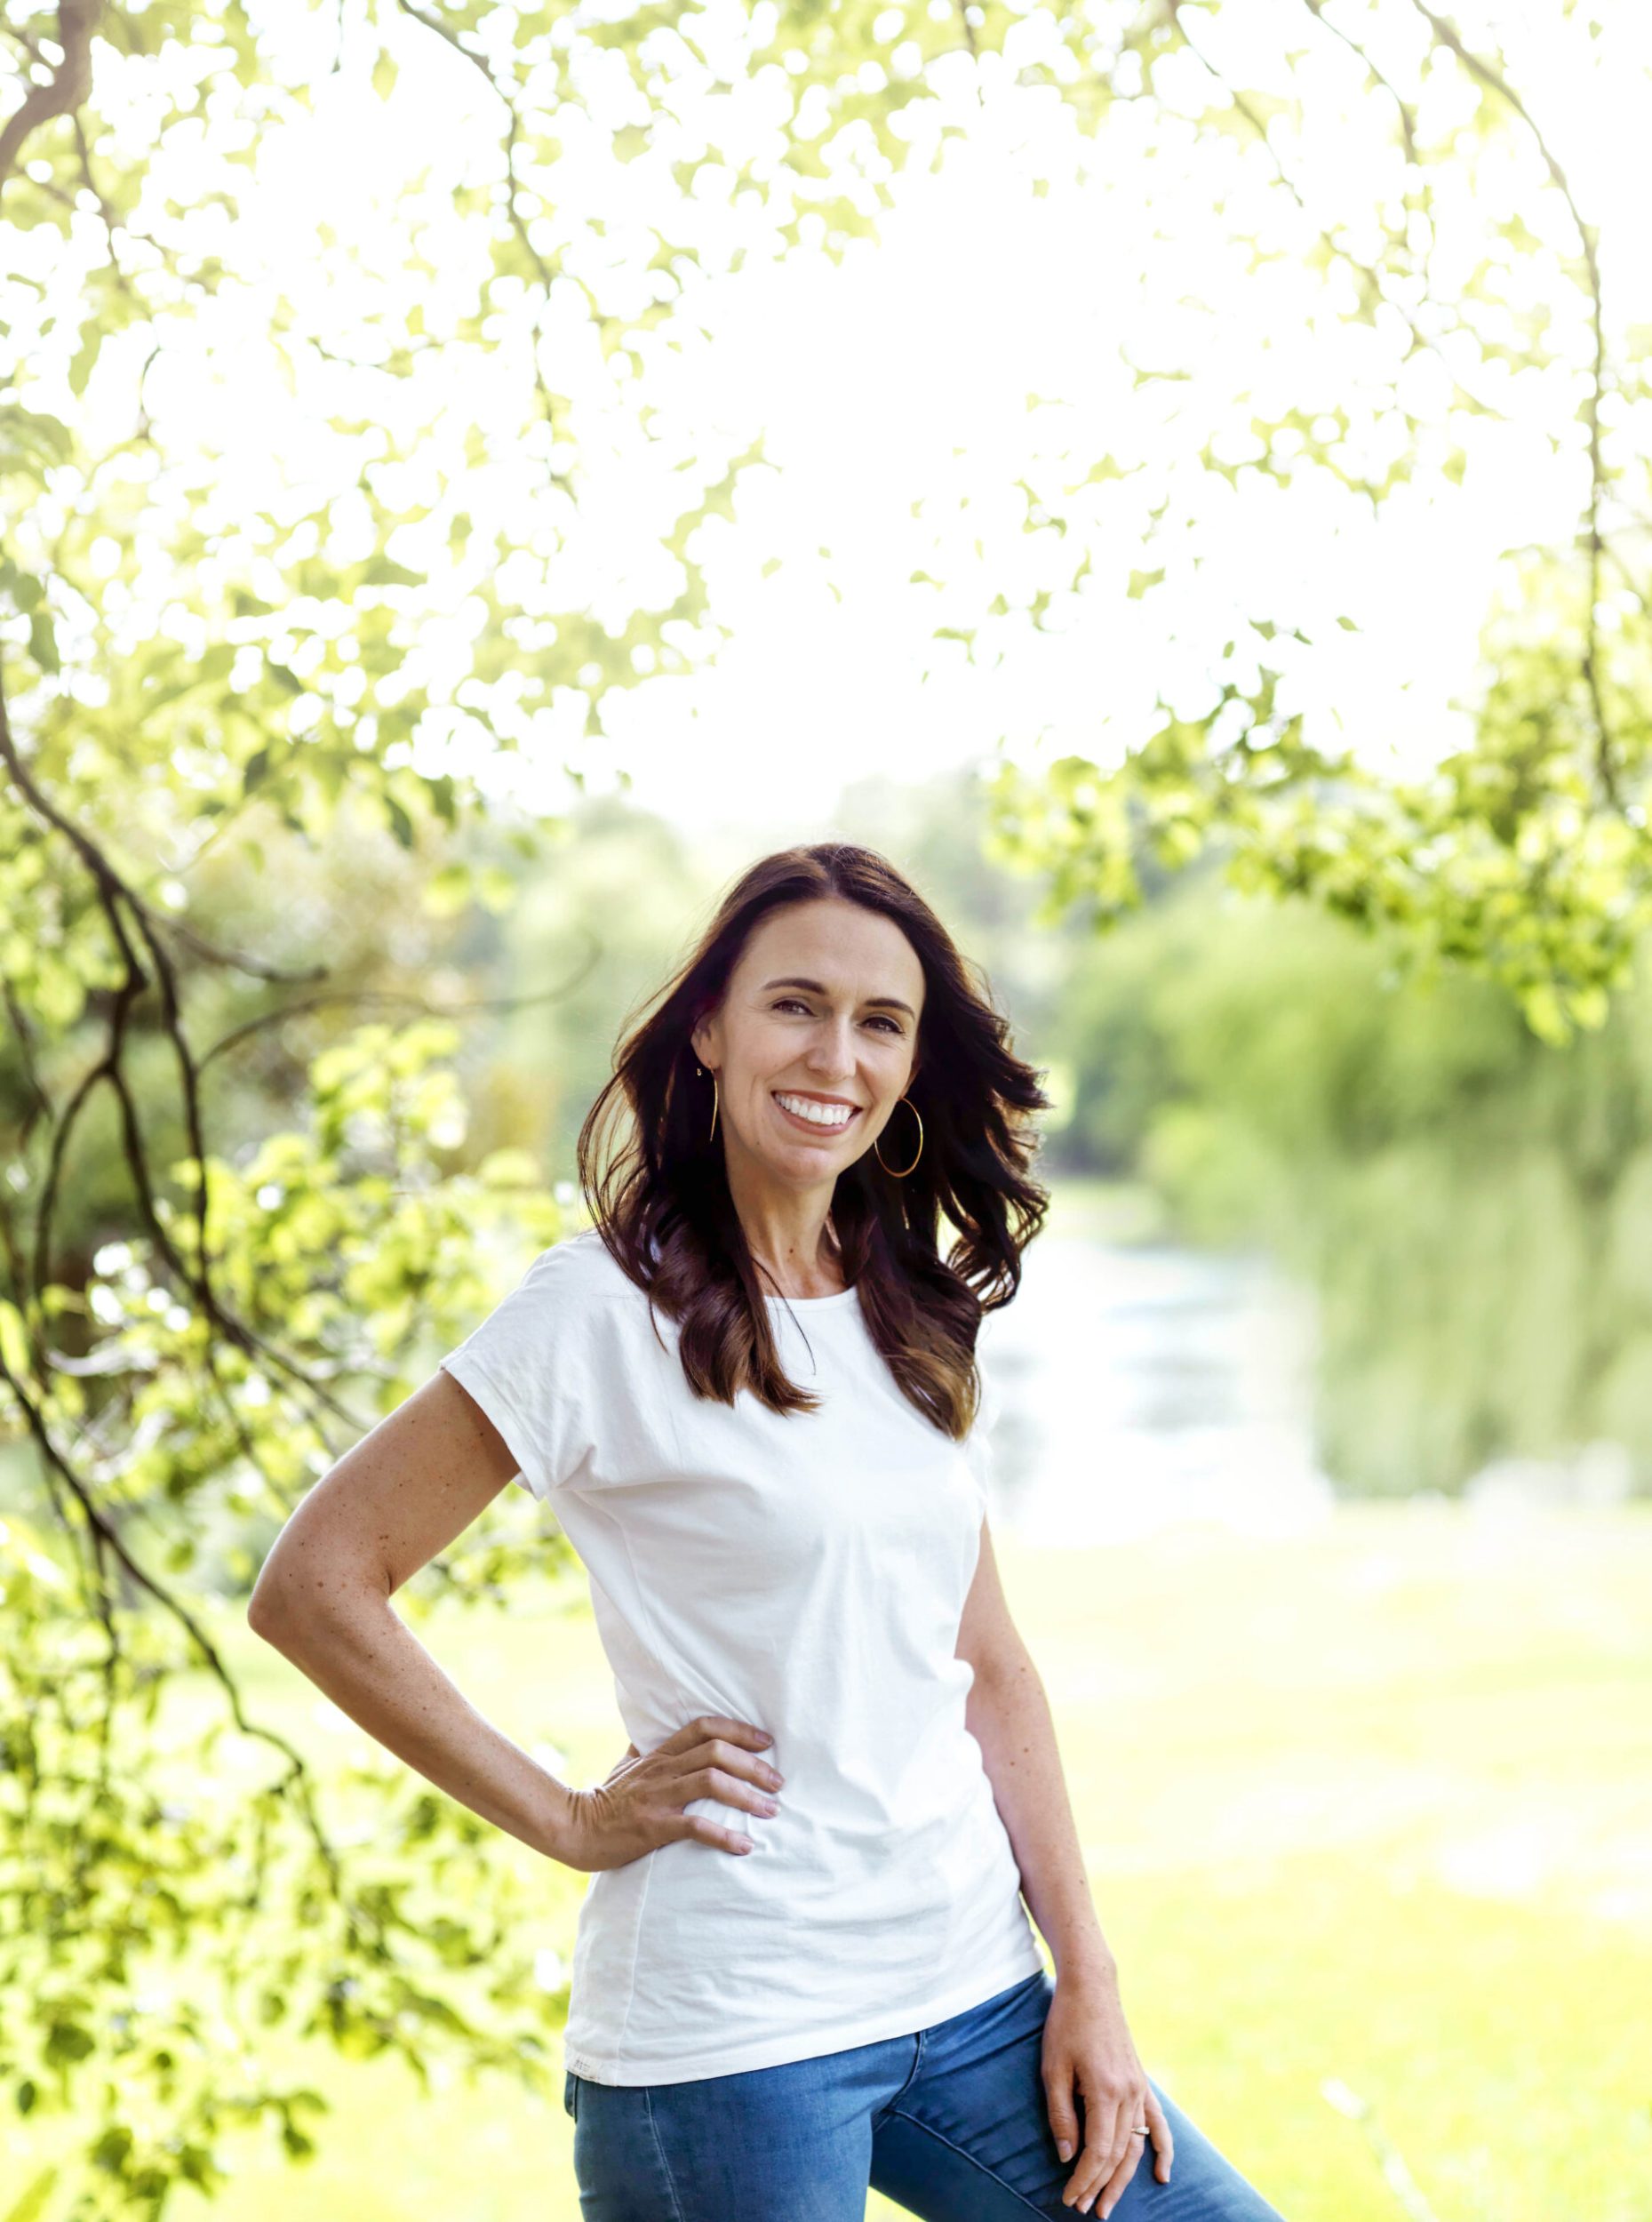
[[63, 94], [513, 130], [1375, 290], [1446, 36], [403, 997], [1493, 79], [1407, 112], [108, 1540], [116, 900]]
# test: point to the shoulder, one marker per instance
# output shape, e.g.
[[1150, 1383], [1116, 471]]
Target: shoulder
[[580, 1269], [572, 1299]]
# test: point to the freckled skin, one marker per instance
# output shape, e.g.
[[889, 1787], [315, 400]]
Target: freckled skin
[[406, 1492]]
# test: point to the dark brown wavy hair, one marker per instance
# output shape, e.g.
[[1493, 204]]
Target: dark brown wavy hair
[[661, 1204]]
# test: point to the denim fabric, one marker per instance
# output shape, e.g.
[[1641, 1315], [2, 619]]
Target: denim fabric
[[951, 2123]]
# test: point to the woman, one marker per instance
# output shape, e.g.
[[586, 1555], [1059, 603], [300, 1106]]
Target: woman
[[803, 1964]]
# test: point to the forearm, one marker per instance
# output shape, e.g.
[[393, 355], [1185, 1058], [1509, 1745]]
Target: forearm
[[1008, 1715], [364, 1657]]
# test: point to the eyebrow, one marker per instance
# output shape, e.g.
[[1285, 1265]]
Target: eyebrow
[[882, 1002]]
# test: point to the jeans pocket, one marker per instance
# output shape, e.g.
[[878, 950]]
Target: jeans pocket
[[571, 2094]]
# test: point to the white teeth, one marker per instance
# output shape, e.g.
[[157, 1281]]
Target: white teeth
[[818, 1114]]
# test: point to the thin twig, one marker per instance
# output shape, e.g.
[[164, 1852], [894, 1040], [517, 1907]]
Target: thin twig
[[1494, 80]]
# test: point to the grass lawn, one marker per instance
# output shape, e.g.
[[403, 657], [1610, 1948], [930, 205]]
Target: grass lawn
[[1368, 1813]]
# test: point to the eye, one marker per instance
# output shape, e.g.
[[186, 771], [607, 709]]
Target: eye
[[791, 1003]]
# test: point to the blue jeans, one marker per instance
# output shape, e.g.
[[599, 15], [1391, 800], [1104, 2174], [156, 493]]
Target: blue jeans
[[951, 2123]]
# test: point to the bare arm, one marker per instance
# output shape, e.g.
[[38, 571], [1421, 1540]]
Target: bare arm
[[1008, 1715], [322, 1599]]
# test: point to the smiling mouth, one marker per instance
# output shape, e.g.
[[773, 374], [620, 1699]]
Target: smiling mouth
[[816, 1126]]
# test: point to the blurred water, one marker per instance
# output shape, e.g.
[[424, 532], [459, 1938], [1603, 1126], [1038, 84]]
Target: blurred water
[[1144, 1385]]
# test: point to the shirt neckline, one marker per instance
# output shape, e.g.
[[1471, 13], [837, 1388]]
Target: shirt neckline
[[813, 1303]]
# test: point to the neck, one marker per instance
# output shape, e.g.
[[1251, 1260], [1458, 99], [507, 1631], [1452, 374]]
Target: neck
[[791, 1238]]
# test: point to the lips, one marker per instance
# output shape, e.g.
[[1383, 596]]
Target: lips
[[812, 1126]]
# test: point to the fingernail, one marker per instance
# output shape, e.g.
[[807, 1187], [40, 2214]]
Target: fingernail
[[1064, 2148]]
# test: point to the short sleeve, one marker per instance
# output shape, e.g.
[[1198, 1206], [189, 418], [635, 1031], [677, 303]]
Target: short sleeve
[[529, 1364], [977, 1444]]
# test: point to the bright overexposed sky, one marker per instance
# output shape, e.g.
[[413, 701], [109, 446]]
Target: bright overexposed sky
[[912, 403]]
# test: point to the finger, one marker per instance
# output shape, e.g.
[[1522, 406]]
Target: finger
[[746, 1766], [1089, 2175], [715, 1782], [1112, 2191], [1095, 2163], [735, 1761], [1101, 2154], [1064, 2122], [1149, 2109], [706, 1724], [1164, 2144], [705, 1831], [1114, 2188]]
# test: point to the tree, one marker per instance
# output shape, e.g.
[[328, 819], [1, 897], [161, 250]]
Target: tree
[[208, 675], [1450, 239]]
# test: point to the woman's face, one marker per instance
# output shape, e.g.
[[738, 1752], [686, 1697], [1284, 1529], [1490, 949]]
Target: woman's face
[[823, 1004]]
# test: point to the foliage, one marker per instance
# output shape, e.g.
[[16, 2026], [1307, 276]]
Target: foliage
[[1472, 1213], [202, 668], [1450, 239]]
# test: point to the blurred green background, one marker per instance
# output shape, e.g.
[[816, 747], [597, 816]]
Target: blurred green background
[[1175, 479]]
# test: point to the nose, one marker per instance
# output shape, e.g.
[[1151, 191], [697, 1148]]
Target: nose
[[832, 1054]]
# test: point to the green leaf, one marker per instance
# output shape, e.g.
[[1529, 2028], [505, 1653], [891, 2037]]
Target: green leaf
[[84, 358], [32, 2206], [13, 1341], [383, 571]]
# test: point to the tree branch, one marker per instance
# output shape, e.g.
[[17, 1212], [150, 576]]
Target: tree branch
[[68, 87], [1449, 36]]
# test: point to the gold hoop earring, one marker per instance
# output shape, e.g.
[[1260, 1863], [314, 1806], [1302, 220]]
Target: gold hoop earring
[[701, 1071], [879, 1153]]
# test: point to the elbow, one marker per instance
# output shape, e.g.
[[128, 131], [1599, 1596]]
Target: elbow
[[269, 1613], [1006, 1667], [276, 1612]]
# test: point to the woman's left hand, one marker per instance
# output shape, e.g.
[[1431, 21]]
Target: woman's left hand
[[1088, 2046]]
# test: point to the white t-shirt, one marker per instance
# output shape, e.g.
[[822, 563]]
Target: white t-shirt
[[804, 1573]]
